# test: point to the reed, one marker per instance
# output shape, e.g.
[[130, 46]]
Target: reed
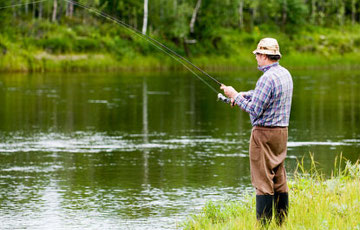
[[316, 202]]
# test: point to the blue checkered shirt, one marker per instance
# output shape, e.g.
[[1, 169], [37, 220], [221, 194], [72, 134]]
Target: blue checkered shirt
[[269, 104]]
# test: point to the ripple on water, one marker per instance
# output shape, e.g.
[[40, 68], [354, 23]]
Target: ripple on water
[[98, 142], [89, 142]]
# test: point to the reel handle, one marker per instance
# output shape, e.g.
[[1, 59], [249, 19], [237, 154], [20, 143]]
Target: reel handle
[[223, 98]]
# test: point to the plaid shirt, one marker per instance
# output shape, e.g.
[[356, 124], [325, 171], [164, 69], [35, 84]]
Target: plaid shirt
[[269, 104]]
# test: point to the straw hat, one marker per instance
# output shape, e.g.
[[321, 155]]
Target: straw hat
[[268, 46]]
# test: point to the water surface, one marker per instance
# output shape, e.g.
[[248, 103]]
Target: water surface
[[143, 151]]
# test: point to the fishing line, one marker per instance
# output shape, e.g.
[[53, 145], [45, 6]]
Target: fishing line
[[152, 41]]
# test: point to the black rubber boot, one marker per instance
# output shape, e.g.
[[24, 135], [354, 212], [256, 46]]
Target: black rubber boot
[[281, 207], [264, 207]]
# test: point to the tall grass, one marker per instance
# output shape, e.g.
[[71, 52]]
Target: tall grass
[[316, 202]]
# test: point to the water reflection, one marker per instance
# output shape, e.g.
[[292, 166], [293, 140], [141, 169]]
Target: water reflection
[[144, 151], [145, 131]]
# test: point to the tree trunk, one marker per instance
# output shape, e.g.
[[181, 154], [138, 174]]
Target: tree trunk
[[241, 14], [34, 11], [313, 5], [162, 9], [186, 48], [253, 17], [40, 10], [341, 13], [353, 11], [54, 11], [135, 19], [26, 7], [13, 8], [70, 10], [193, 18], [61, 5], [175, 6], [144, 28]]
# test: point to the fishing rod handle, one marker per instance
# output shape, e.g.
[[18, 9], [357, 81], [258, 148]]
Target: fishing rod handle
[[223, 98]]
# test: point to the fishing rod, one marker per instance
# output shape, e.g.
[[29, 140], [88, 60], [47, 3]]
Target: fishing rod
[[158, 45], [151, 40]]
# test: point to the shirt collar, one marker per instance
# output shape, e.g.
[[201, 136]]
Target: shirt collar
[[267, 67]]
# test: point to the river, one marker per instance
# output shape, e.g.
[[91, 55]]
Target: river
[[146, 150]]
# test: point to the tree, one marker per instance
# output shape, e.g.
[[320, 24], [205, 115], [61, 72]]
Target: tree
[[55, 5], [193, 18], [353, 11], [14, 8], [69, 9], [241, 14], [313, 11], [145, 21], [40, 10], [26, 7], [341, 12]]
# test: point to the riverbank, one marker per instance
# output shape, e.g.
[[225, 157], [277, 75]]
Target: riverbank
[[315, 203], [40, 46], [47, 62]]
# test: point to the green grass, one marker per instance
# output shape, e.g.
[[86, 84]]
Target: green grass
[[315, 203]]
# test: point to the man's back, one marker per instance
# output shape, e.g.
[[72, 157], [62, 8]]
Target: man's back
[[277, 84]]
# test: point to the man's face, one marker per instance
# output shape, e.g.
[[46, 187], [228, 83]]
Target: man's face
[[260, 58]]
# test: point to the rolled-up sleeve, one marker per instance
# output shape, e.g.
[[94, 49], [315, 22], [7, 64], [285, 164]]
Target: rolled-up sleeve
[[248, 94]]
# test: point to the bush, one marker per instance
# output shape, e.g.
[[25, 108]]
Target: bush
[[85, 44], [56, 45]]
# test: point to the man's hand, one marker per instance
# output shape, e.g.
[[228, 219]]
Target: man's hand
[[229, 91]]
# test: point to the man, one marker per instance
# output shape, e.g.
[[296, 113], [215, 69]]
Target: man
[[269, 107]]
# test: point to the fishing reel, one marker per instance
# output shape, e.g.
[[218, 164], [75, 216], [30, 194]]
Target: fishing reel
[[224, 99]]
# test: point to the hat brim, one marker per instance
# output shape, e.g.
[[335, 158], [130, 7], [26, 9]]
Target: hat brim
[[268, 52]]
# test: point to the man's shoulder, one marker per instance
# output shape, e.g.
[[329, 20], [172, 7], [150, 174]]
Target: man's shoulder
[[279, 68], [277, 71]]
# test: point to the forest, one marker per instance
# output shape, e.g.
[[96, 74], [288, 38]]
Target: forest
[[61, 35]]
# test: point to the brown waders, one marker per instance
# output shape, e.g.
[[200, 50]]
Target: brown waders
[[268, 146]]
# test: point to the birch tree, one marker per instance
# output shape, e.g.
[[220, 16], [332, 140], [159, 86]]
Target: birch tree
[[193, 18], [313, 10], [241, 14], [145, 21], [40, 10], [253, 9], [26, 7], [69, 9], [55, 5], [34, 10], [353, 11], [13, 8], [175, 6], [341, 12]]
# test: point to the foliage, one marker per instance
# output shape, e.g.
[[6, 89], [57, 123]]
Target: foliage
[[218, 38], [171, 18]]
